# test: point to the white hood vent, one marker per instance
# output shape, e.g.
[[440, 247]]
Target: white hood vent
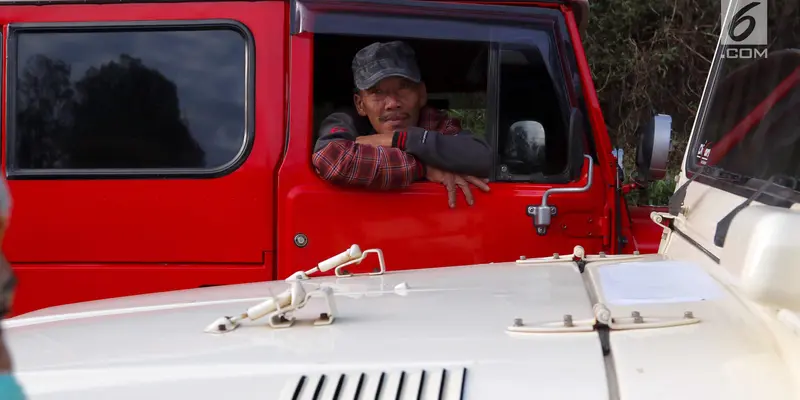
[[437, 384]]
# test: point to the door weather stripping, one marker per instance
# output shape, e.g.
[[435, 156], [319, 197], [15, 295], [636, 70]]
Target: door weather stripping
[[279, 308], [542, 213]]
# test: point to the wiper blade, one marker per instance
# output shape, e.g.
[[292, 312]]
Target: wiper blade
[[724, 224], [676, 200], [728, 176]]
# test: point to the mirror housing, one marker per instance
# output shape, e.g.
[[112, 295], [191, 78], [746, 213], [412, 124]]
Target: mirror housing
[[525, 147], [652, 151], [761, 249]]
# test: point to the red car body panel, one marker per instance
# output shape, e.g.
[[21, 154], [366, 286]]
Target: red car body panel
[[79, 240]]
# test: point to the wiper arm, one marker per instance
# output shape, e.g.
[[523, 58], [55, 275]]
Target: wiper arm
[[724, 224], [677, 198], [730, 177]]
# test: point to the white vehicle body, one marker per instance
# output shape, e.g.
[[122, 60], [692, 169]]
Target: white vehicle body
[[695, 321]]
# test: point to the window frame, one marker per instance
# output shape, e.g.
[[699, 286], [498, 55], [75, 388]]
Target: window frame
[[772, 195], [490, 14], [14, 29], [565, 102]]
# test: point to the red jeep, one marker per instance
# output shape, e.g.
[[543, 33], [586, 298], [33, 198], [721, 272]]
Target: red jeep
[[161, 145]]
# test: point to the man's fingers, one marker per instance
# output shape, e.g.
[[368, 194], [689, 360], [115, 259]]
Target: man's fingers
[[480, 183], [451, 191], [465, 188]]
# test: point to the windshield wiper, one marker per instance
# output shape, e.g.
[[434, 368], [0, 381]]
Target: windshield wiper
[[728, 176], [677, 198], [724, 224]]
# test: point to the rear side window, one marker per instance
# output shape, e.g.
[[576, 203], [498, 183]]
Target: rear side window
[[123, 100]]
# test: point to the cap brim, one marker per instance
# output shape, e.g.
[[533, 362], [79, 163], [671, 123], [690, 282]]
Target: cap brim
[[374, 79]]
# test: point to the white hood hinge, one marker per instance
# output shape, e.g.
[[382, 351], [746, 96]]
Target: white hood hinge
[[603, 320]]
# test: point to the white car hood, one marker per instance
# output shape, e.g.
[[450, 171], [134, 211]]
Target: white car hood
[[443, 334], [450, 321]]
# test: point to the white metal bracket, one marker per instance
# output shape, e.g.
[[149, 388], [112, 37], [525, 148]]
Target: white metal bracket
[[341, 272], [284, 317], [280, 309], [659, 217], [666, 232], [602, 318], [579, 255]]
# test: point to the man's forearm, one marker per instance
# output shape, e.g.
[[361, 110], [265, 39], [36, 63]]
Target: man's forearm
[[380, 139], [343, 157], [462, 153], [345, 162]]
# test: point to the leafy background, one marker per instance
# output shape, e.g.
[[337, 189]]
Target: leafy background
[[650, 57]]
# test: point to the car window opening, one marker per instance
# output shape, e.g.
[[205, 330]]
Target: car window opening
[[532, 138]]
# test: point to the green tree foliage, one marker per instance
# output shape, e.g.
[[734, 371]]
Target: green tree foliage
[[650, 57]]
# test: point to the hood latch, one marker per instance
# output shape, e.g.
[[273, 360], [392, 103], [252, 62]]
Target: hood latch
[[279, 309]]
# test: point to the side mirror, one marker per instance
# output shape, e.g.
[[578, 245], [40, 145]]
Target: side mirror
[[761, 250], [525, 147], [652, 152]]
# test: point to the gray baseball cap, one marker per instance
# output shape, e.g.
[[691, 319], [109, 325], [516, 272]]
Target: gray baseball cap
[[382, 60]]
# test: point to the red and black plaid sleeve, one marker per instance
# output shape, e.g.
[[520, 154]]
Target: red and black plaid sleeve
[[345, 162], [340, 160]]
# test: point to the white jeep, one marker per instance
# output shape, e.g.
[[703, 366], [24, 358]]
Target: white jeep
[[714, 315]]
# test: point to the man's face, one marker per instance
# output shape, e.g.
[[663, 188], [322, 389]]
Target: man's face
[[393, 104]]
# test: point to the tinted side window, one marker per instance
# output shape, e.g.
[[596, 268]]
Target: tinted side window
[[127, 99], [533, 136]]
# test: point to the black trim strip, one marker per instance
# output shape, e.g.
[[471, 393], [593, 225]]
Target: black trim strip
[[318, 389], [443, 383], [360, 385], [400, 384], [493, 105], [421, 384], [463, 384], [380, 384], [299, 388], [70, 27], [449, 11], [603, 335], [696, 245]]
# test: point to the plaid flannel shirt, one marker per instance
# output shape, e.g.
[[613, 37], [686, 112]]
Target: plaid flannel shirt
[[345, 162]]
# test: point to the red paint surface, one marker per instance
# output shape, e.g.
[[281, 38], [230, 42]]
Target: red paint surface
[[646, 232], [73, 240]]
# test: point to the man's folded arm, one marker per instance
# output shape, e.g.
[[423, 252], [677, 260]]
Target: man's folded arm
[[340, 160], [460, 153]]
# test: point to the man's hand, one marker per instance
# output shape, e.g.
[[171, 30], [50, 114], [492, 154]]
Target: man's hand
[[451, 181], [378, 139]]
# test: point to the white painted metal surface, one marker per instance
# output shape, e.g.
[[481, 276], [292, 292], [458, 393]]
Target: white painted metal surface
[[729, 354], [153, 346], [679, 325]]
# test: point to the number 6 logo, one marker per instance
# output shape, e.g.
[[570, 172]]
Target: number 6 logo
[[748, 25], [741, 17]]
